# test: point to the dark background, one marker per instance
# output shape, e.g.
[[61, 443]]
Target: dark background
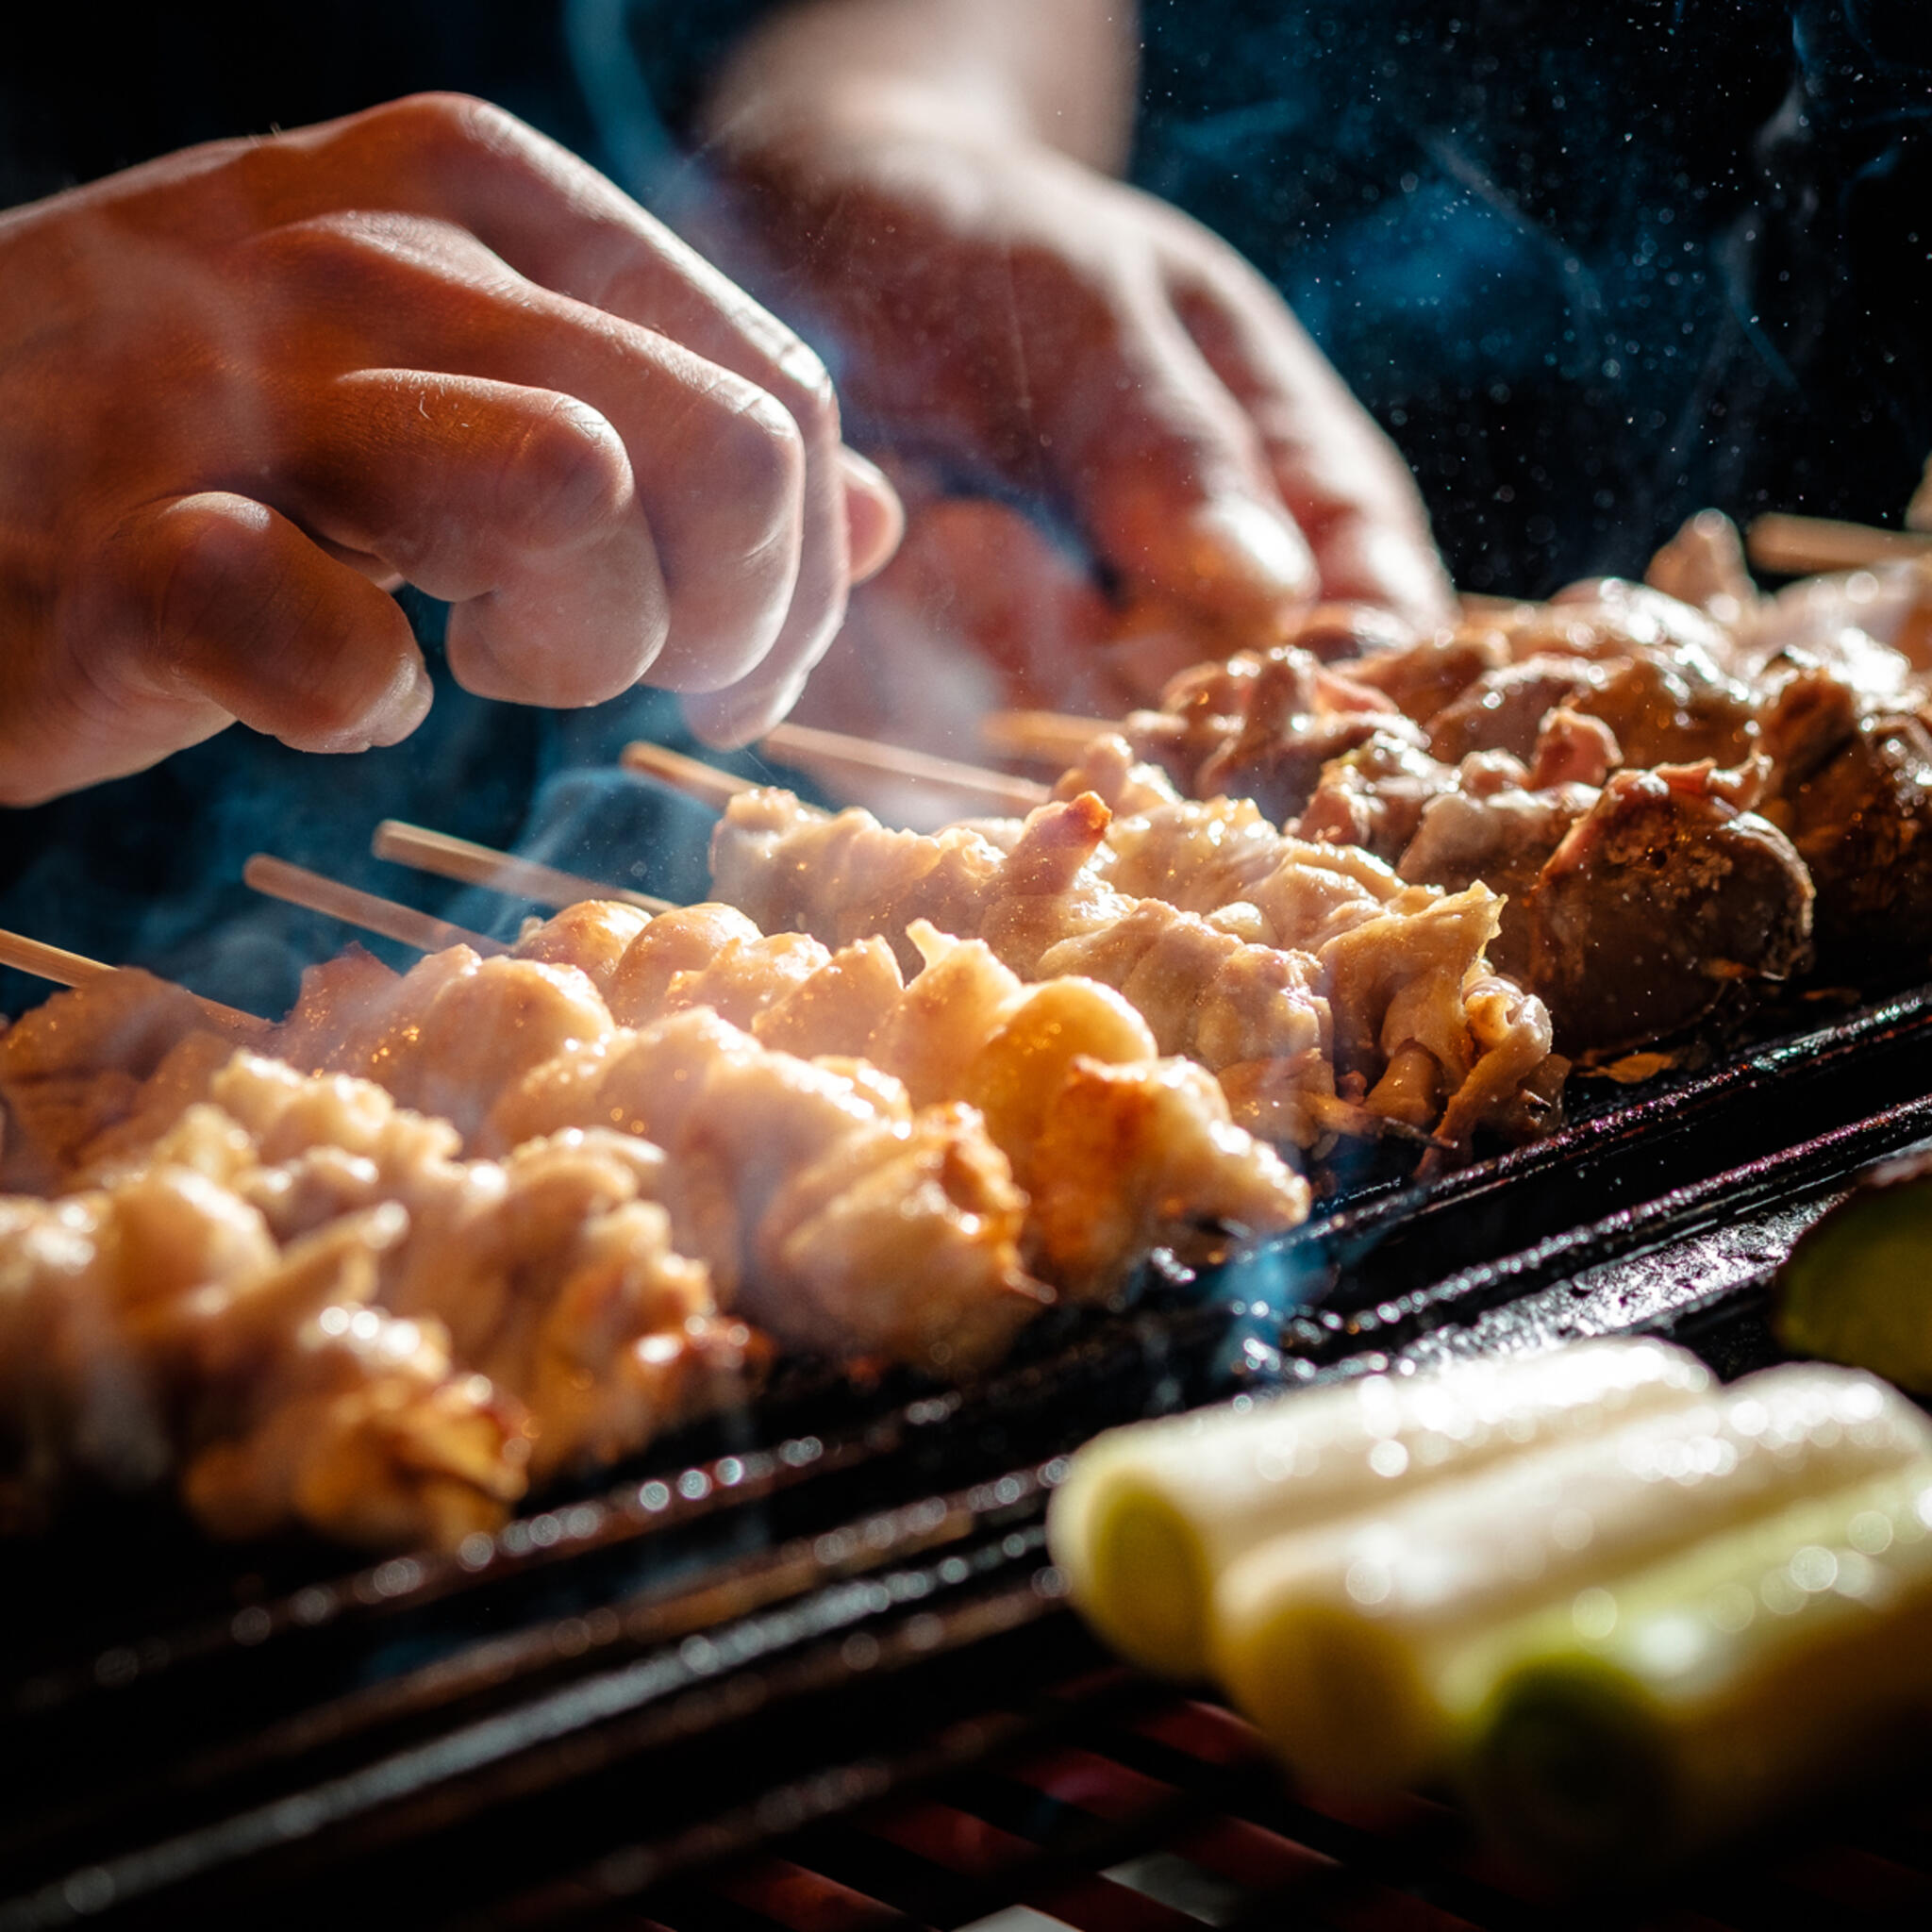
[[1592, 267]]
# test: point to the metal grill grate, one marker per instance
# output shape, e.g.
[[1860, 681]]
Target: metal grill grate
[[811, 1668]]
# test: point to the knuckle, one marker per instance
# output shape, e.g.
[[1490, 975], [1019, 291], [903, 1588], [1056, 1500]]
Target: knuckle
[[567, 479], [758, 452], [204, 563], [802, 383], [447, 122]]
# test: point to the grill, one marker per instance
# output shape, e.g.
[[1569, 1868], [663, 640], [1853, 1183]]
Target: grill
[[811, 1667]]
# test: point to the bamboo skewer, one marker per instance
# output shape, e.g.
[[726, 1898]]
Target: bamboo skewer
[[278, 879], [1798, 546], [691, 776], [450, 858], [1048, 737], [839, 751], [76, 969]]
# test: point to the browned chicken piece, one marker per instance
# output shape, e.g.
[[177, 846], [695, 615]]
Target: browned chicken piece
[[1287, 734], [1674, 711], [1065, 1074], [1502, 839], [1572, 748], [1133, 1155], [1661, 903], [1504, 710], [830, 1212], [1634, 911], [1346, 633], [1428, 677], [552, 1272], [1279, 706], [152, 1329], [1612, 617], [1374, 797], [1854, 795]]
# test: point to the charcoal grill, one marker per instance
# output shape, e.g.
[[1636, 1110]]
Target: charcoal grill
[[812, 1667]]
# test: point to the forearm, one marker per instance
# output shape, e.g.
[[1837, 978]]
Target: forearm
[[1058, 73]]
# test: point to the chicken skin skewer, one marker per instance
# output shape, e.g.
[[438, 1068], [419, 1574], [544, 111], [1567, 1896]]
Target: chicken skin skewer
[[1118, 1149], [1401, 1010], [828, 1210], [1155, 1132], [552, 1272]]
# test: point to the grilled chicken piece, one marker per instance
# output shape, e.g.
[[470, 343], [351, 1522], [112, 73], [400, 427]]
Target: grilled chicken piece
[[1704, 566], [366, 1434], [1660, 903], [152, 1328], [1204, 992], [552, 1272], [1674, 711], [1504, 710], [593, 936], [1287, 734], [830, 1212], [1428, 677], [969, 1029], [1119, 1150], [1633, 913], [1854, 795], [1214, 986], [76, 1065]]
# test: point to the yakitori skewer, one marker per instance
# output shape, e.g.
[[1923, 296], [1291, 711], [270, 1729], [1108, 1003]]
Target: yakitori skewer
[[56, 963], [472, 864], [839, 754], [1798, 546], [276, 878]]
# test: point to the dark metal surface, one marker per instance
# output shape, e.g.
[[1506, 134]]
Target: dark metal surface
[[840, 1600]]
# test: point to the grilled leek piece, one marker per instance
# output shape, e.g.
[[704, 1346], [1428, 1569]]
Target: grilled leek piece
[[1152, 1515], [1368, 1650], [1691, 1698]]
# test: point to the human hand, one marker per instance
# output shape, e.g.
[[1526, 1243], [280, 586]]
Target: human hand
[[244, 387], [1002, 305]]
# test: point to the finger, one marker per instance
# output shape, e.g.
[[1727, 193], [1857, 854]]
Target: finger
[[1172, 483], [717, 464], [1342, 480], [562, 225], [515, 505], [874, 517], [215, 597]]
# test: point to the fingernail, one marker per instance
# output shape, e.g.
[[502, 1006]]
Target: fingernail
[[1234, 543], [404, 709]]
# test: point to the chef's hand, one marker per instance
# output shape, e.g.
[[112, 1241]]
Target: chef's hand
[[244, 387], [1001, 302]]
